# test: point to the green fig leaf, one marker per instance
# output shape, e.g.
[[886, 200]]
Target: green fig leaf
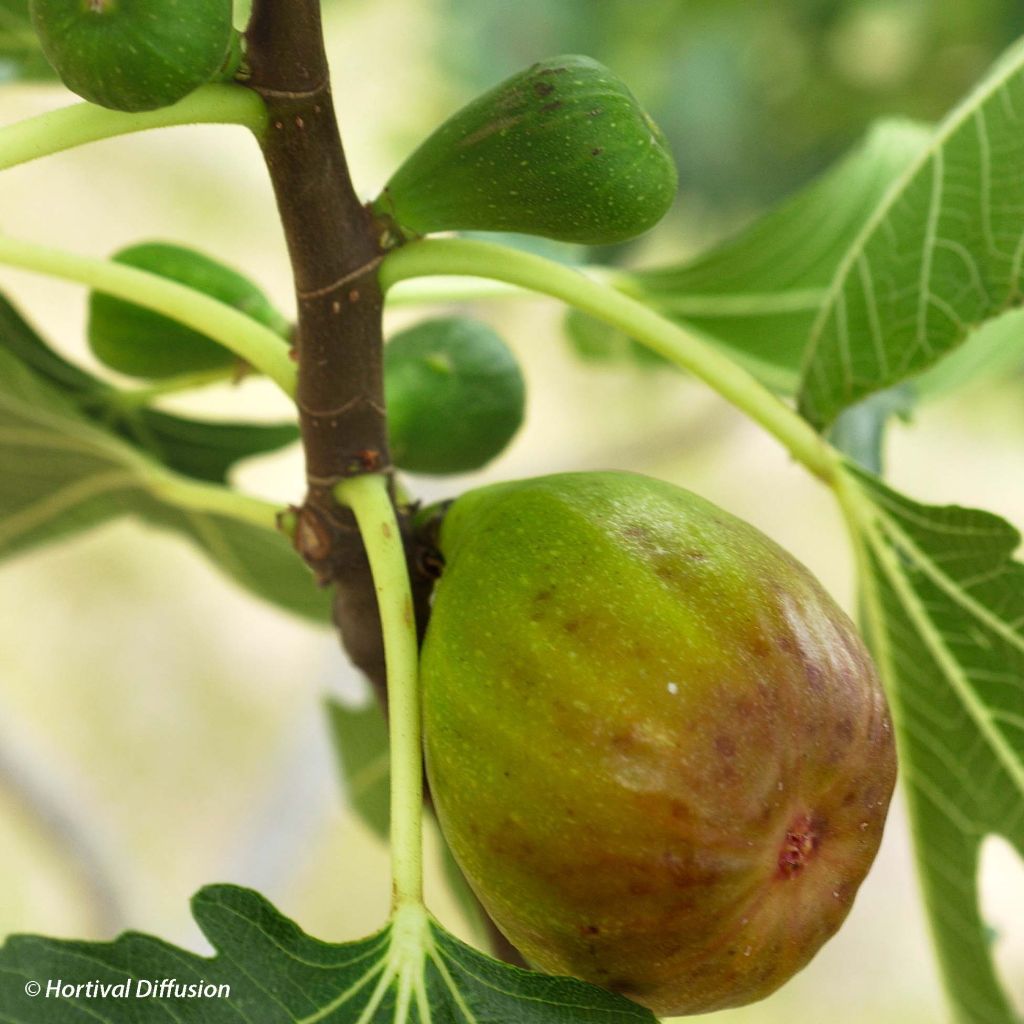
[[65, 472], [757, 294], [859, 432], [202, 449], [136, 55], [562, 149], [938, 255], [455, 396], [268, 971], [944, 604], [136, 341]]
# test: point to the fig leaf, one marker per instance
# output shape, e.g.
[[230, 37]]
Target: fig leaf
[[936, 257], [757, 293], [562, 149], [944, 606], [203, 449], [71, 464], [268, 971]]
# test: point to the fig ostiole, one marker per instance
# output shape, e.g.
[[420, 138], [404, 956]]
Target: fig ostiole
[[658, 749], [134, 54], [562, 149]]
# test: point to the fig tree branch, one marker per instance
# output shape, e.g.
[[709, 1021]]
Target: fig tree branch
[[332, 244], [335, 253]]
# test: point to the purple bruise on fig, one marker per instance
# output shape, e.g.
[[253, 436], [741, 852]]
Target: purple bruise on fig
[[658, 749]]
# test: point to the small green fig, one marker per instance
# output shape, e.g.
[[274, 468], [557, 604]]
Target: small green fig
[[134, 54], [455, 396], [561, 149], [658, 750], [138, 342]]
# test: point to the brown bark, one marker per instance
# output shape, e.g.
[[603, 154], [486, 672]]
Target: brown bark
[[332, 244], [334, 247]]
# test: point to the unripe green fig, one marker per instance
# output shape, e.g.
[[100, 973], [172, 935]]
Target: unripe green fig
[[561, 149], [455, 396], [133, 54], [658, 750], [136, 341]]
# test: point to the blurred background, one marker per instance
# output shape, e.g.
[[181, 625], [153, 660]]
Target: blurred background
[[160, 729]]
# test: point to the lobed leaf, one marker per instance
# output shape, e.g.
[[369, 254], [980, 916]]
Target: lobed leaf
[[945, 611], [411, 971], [759, 292], [941, 253]]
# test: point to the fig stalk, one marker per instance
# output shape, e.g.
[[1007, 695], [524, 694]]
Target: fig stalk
[[370, 502]]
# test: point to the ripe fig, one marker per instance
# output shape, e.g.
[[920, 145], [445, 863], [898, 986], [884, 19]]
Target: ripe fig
[[561, 149], [455, 395], [134, 54], [136, 341], [657, 748]]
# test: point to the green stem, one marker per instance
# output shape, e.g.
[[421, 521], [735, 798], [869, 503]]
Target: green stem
[[81, 123], [369, 499], [459, 289], [196, 496], [132, 398], [465, 257], [257, 345]]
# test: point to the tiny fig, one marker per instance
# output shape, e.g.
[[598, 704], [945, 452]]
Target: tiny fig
[[140, 343], [658, 749], [455, 395]]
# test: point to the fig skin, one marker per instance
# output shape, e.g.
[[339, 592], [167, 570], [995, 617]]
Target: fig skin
[[561, 149], [658, 749]]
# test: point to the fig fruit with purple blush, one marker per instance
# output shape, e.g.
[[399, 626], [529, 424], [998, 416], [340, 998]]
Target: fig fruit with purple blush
[[658, 749]]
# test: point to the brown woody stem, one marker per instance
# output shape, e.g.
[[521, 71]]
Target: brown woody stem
[[332, 243], [334, 247]]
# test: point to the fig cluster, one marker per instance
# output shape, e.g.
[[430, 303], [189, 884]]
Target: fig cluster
[[658, 749]]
